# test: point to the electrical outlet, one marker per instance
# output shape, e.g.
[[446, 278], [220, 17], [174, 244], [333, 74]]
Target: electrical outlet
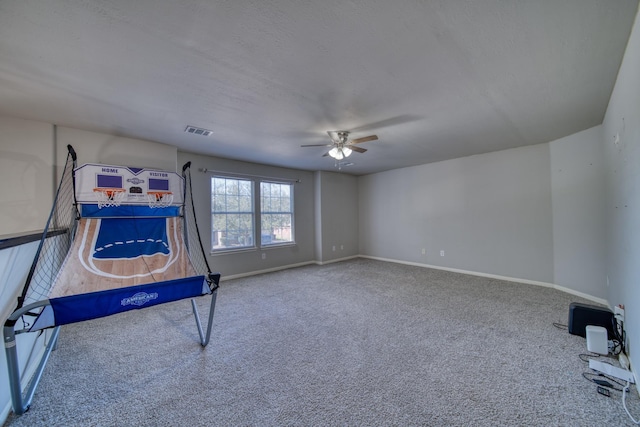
[[333, 248], [424, 251], [342, 247], [264, 256], [441, 253]]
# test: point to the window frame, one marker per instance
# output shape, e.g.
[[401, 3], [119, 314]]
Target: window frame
[[290, 212], [256, 214], [252, 214]]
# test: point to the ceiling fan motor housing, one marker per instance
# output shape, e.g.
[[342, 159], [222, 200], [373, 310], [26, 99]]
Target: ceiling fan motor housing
[[343, 136]]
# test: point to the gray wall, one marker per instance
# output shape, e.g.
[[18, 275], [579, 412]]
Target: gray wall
[[535, 213], [243, 262], [30, 152], [336, 216], [577, 185], [26, 170], [95, 147], [317, 188], [490, 213], [622, 168]]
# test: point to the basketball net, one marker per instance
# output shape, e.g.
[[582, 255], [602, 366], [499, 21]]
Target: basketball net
[[109, 197], [159, 199]]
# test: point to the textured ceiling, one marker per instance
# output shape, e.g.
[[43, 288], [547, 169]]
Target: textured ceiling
[[433, 79]]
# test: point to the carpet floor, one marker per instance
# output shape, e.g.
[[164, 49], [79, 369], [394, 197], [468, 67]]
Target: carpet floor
[[355, 343]]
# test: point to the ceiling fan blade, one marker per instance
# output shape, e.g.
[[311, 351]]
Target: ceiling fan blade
[[392, 121], [364, 139], [317, 145], [357, 149], [325, 154]]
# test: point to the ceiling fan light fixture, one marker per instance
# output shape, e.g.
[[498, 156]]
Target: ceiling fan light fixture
[[340, 153]]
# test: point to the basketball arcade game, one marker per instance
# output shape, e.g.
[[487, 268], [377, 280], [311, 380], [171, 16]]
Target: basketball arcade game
[[117, 239]]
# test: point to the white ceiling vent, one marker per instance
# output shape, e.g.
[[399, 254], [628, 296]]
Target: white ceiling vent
[[198, 131]]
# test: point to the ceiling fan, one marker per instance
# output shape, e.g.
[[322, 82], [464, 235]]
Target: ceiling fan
[[341, 145]]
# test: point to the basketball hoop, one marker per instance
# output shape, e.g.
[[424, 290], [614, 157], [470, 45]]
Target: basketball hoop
[[159, 199], [109, 197]]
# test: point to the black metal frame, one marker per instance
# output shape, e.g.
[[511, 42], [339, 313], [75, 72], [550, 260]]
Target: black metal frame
[[21, 401]]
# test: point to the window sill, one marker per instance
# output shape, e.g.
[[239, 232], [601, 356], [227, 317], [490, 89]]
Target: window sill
[[251, 249], [277, 245], [232, 251]]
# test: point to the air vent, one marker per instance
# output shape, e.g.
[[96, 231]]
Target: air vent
[[198, 131]]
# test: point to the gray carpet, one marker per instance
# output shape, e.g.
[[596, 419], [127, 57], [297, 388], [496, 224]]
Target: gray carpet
[[356, 343]]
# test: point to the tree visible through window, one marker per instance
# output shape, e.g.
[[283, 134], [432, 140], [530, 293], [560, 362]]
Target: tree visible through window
[[276, 213], [232, 213]]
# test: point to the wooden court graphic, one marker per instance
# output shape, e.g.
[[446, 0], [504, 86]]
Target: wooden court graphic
[[86, 269]]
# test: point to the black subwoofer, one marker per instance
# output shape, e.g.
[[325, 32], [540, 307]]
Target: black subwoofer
[[581, 315]]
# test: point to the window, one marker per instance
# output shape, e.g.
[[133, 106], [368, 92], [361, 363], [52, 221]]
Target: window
[[232, 213], [276, 213], [235, 224]]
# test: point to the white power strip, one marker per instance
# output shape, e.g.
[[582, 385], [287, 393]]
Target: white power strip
[[611, 370]]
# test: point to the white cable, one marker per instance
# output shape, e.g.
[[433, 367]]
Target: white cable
[[624, 403]]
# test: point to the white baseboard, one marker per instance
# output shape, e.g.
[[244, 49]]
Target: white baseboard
[[5, 412], [285, 267], [495, 276], [267, 270], [635, 376], [331, 261]]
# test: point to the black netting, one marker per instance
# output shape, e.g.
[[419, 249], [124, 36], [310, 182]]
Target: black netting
[[60, 229], [192, 234], [56, 239]]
